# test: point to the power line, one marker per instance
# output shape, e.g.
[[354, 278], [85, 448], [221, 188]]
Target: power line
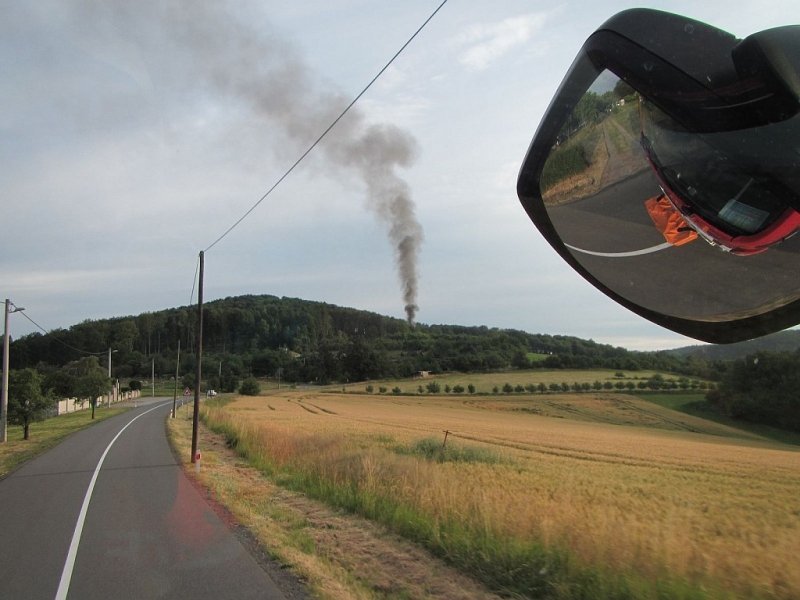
[[324, 133], [63, 343], [194, 281]]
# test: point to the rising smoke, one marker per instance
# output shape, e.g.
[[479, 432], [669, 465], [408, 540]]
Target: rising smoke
[[257, 68]]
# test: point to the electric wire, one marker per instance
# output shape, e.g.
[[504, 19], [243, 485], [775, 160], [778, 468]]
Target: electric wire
[[327, 130], [62, 342], [194, 281]]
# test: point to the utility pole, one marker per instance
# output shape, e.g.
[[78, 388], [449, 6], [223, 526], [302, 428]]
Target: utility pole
[[4, 401], [199, 370], [177, 374], [153, 377]]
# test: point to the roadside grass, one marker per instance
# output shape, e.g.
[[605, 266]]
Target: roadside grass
[[46, 434], [584, 510]]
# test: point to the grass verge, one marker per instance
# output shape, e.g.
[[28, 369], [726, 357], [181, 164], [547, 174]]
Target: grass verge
[[46, 434]]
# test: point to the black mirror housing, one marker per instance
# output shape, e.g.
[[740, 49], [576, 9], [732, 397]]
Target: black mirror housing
[[710, 128]]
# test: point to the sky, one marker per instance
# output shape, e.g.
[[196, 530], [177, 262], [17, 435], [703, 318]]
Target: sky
[[134, 134]]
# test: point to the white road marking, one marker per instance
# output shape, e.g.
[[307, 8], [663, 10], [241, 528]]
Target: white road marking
[[66, 574], [663, 246]]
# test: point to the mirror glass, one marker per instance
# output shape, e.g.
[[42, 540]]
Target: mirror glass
[[695, 226]]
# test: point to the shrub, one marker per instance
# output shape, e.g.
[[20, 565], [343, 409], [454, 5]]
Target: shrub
[[382, 389], [135, 384], [397, 390], [458, 389], [250, 387], [471, 388], [433, 387], [369, 389]]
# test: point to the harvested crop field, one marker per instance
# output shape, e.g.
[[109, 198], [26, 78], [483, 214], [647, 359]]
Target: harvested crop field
[[558, 496]]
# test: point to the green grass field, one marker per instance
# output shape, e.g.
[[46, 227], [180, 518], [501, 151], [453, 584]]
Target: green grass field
[[486, 382], [695, 405]]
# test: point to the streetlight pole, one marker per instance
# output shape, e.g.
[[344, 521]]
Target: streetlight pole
[[4, 401], [111, 392]]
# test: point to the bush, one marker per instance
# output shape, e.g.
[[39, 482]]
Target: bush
[[135, 384], [458, 389], [433, 388], [396, 390], [250, 387], [471, 388], [382, 389], [369, 389]]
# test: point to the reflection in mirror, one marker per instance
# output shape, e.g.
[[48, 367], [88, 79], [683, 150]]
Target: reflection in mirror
[[695, 226]]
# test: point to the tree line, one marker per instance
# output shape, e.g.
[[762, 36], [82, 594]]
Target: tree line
[[32, 395], [304, 341], [762, 388]]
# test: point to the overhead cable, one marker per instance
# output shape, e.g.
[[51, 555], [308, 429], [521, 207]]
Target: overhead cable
[[327, 130]]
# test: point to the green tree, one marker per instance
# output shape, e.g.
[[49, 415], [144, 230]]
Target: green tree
[[92, 380], [471, 388], [433, 387], [135, 385], [763, 388], [26, 402], [250, 387]]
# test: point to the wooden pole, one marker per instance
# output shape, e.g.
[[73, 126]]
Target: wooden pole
[[177, 374], [198, 371]]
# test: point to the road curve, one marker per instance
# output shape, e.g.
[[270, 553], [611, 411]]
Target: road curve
[[147, 532]]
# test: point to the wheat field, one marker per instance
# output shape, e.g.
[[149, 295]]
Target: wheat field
[[651, 503]]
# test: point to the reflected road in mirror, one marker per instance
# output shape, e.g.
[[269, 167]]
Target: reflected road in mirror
[[595, 184]]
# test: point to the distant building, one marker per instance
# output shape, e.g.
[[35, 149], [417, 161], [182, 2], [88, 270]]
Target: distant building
[[421, 375]]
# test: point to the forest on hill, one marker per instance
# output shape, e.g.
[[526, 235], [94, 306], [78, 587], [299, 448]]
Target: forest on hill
[[305, 341], [781, 341]]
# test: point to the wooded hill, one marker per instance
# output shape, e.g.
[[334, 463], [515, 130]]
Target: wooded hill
[[318, 342], [782, 341]]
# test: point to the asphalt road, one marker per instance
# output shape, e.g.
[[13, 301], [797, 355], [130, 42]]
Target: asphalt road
[[694, 281], [147, 532]]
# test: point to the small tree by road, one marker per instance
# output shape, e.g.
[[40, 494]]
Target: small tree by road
[[92, 380], [26, 402]]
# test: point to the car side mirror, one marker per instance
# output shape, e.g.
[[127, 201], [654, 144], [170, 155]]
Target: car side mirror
[[666, 171]]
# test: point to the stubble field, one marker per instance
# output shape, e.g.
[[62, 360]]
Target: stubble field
[[538, 505]]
